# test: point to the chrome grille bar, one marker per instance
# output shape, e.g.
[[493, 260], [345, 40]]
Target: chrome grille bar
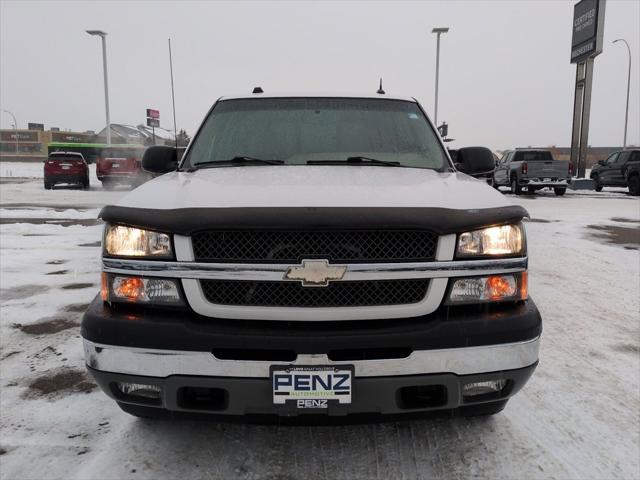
[[276, 272]]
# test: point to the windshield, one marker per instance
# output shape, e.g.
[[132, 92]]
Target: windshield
[[300, 130]]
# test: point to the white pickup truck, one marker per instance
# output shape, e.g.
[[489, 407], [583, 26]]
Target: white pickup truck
[[312, 255]]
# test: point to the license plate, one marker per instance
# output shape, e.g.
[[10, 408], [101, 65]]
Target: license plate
[[115, 165], [311, 386], [65, 167]]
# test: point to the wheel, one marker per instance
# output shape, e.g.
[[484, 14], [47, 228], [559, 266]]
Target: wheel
[[515, 188], [86, 184], [559, 191], [483, 409], [531, 190], [596, 179], [140, 411], [634, 185], [47, 185]]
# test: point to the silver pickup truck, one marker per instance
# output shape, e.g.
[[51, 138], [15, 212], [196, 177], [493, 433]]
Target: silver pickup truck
[[532, 169]]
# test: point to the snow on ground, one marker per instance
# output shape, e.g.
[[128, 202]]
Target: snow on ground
[[577, 418]]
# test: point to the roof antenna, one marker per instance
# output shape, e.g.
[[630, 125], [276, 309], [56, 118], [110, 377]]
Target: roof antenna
[[257, 90], [380, 90]]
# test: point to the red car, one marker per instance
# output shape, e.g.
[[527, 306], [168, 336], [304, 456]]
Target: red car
[[66, 167], [120, 165]]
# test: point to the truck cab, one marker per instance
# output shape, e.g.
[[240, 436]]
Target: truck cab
[[312, 255]]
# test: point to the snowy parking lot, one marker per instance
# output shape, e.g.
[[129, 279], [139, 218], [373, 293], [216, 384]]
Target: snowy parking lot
[[577, 418]]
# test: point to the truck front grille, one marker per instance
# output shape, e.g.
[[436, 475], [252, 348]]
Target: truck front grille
[[292, 246], [293, 294]]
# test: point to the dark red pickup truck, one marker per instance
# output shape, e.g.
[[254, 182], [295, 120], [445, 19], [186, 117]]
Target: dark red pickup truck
[[120, 165]]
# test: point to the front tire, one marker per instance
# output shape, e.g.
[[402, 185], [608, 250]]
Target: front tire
[[483, 409], [559, 191], [596, 179], [515, 188]]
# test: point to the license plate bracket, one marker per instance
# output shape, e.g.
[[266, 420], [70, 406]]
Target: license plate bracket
[[311, 386]]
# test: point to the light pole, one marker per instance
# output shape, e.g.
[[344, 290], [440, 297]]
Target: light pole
[[15, 127], [103, 36], [626, 114], [438, 31]]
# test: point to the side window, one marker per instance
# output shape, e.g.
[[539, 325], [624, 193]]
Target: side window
[[623, 157], [612, 158], [635, 156], [506, 158]]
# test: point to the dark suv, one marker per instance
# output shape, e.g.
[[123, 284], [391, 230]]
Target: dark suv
[[611, 172], [66, 167]]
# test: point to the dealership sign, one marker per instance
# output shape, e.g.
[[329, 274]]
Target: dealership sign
[[588, 30], [36, 126], [153, 117]]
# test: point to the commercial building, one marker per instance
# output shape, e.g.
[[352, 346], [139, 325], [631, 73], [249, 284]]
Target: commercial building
[[25, 145]]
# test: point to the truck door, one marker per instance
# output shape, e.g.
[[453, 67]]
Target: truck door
[[617, 172], [501, 176], [606, 172]]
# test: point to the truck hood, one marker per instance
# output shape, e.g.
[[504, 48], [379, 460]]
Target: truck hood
[[314, 186]]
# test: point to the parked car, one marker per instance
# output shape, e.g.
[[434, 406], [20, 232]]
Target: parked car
[[532, 169], [65, 167], [632, 173], [479, 160], [611, 172], [312, 255], [121, 165]]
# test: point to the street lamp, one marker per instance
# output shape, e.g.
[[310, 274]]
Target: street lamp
[[15, 127], [438, 31], [103, 36], [626, 115]]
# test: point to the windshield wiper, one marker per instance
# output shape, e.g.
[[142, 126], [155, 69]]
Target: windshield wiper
[[355, 161], [239, 160]]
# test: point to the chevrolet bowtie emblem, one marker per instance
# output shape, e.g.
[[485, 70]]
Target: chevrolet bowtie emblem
[[315, 273]]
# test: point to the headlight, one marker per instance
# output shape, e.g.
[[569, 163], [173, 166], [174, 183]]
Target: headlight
[[145, 291], [503, 240], [124, 241]]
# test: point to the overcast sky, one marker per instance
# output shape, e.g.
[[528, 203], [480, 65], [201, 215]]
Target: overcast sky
[[505, 76]]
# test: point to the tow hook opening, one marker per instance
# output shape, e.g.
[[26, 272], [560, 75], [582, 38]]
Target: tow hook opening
[[203, 398], [422, 396]]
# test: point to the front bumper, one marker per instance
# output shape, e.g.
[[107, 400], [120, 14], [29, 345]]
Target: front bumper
[[180, 351], [387, 395]]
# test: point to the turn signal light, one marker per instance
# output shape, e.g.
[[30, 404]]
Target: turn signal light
[[130, 289], [494, 288]]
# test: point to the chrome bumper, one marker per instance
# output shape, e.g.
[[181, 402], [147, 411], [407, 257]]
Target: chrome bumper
[[164, 363], [560, 182]]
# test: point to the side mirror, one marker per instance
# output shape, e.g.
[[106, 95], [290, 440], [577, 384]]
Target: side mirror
[[602, 162], [159, 159], [475, 160]]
